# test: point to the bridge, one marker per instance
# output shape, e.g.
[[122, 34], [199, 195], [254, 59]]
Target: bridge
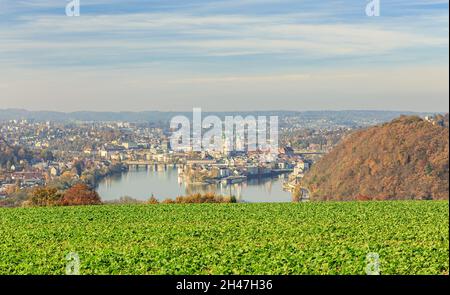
[[143, 163], [140, 163], [309, 152]]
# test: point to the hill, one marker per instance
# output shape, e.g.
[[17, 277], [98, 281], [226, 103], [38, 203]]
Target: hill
[[404, 159], [345, 118]]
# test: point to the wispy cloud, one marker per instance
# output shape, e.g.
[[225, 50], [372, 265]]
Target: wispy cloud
[[192, 43], [185, 35]]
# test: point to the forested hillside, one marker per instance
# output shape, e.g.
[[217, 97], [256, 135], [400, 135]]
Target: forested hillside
[[404, 159]]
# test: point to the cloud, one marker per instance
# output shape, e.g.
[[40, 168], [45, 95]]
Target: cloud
[[240, 79], [224, 53], [182, 35]]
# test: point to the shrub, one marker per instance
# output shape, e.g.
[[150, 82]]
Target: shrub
[[80, 194], [361, 197], [125, 200], [45, 196], [168, 201], [152, 200], [205, 198]]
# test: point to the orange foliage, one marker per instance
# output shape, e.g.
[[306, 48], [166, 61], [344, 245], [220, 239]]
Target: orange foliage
[[152, 200], [199, 198], [80, 194], [404, 159], [45, 196]]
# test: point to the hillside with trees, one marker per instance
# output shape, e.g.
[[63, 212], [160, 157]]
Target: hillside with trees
[[404, 159]]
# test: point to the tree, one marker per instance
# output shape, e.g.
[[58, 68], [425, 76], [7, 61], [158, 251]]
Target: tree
[[428, 169], [78, 167], [47, 155], [152, 200], [65, 181], [45, 196], [80, 194]]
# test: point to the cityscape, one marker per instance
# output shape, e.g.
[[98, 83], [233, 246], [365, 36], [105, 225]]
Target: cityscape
[[63, 153]]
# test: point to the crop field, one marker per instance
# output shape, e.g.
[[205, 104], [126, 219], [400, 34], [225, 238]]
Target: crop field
[[307, 238]]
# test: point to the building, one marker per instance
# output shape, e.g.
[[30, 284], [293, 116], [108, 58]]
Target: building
[[224, 172], [54, 171], [287, 150], [130, 145]]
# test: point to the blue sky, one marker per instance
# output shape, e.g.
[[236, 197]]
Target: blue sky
[[224, 55]]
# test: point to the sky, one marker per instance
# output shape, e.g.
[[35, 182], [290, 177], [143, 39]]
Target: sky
[[235, 55]]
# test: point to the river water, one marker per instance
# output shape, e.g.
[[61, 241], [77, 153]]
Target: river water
[[164, 183]]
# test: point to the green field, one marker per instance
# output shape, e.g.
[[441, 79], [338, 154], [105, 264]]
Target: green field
[[306, 238]]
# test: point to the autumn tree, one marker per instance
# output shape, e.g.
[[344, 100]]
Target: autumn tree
[[80, 194], [152, 200], [45, 196]]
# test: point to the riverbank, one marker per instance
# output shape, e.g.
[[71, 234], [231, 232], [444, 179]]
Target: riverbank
[[142, 183]]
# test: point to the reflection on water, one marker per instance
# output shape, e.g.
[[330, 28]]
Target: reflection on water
[[164, 183]]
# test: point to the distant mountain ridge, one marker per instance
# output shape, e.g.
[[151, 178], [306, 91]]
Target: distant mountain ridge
[[158, 116], [407, 158]]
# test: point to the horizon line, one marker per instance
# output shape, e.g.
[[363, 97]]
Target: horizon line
[[222, 111]]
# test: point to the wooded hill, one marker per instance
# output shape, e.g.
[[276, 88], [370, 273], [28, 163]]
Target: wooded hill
[[404, 159]]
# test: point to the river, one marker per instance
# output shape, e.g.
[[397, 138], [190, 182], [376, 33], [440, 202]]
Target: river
[[164, 183]]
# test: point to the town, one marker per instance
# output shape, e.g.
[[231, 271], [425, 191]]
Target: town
[[60, 154]]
